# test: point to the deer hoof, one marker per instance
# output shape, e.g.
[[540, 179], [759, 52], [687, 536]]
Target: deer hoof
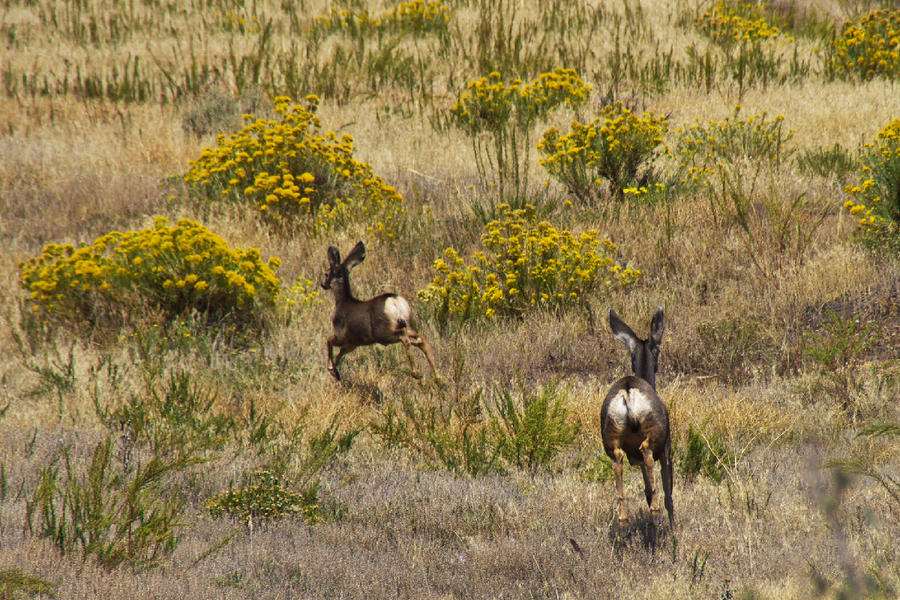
[[623, 521], [334, 373]]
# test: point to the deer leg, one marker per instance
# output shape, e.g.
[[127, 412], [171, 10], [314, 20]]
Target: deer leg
[[420, 342], [665, 472], [647, 469], [412, 361], [618, 463], [330, 363], [337, 360]]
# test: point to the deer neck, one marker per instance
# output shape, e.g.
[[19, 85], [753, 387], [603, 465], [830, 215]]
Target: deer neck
[[645, 366], [342, 292]]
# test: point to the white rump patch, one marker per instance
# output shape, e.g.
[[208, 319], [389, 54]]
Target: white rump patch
[[396, 308], [630, 400]]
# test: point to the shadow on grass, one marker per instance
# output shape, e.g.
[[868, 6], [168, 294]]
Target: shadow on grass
[[652, 533]]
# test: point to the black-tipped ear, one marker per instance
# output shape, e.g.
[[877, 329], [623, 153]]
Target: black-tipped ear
[[334, 256], [656, 326], [356, 256], [622, 331]]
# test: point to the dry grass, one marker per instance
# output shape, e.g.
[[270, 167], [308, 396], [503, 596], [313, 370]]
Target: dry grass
[[735, 363]]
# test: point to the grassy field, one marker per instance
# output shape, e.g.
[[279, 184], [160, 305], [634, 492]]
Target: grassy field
[[160, 442]]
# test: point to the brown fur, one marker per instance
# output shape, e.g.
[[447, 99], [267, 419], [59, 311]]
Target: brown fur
[[384, 319], [642, 433]]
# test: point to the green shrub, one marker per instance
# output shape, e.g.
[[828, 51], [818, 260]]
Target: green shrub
[[293, 176], [526, 264], [453, 436], [13, 581], [116, 514], [158, 271], [475, 436], [618, 147], [836, 353], [263, 498], [532, 431], [826, 162], [702, 455], [875, 199]]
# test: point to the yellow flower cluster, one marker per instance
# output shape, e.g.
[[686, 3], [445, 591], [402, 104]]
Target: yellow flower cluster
[[489, 104], [875, 199], [729, 22], [161, 268], [304, 292], [526, 263], [613, 147], [416, 17], [233, 22], [294, 175], [868, 46], [702, 148]]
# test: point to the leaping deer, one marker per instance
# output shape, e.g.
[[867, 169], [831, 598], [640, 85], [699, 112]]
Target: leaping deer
[[384, 319], [635, 422]]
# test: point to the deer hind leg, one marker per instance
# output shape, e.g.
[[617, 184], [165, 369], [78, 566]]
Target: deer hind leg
[[665, 471], [404, 339], [647, 470], [618, 464], [422, 344]]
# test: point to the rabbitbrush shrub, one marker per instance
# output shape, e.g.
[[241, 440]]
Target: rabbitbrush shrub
[[868, 47], [703, 149], [875, 198], [498, 117], [294, 176], [162, 271], [618, 147], [417, 17], [526, 264]]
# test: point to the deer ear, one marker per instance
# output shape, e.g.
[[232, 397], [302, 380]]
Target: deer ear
[[356, 256], [656, 326], [334, 256], [622, 331]]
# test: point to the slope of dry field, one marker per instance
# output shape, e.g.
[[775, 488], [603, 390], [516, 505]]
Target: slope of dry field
[[779, 363]]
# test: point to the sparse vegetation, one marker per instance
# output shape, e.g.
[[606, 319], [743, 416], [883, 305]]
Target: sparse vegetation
[[168, 427]]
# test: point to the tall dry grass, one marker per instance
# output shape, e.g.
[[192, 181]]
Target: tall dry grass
[[736, 363]]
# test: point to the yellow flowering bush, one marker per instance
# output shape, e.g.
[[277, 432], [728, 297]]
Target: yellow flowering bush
[[729, 22], [702, 149], [264, 498], [294, 176], [868, 46], [526, 263], [162, 269], [618, 147], [415, 17], [499, 118], [875, 199]]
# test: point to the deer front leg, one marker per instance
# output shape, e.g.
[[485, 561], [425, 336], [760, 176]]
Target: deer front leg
[[345, 349], [330, 363], [650, 490], [618, 463]]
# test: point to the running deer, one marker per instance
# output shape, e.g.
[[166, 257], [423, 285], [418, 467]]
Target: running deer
[[635, 422], [385, 319]]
